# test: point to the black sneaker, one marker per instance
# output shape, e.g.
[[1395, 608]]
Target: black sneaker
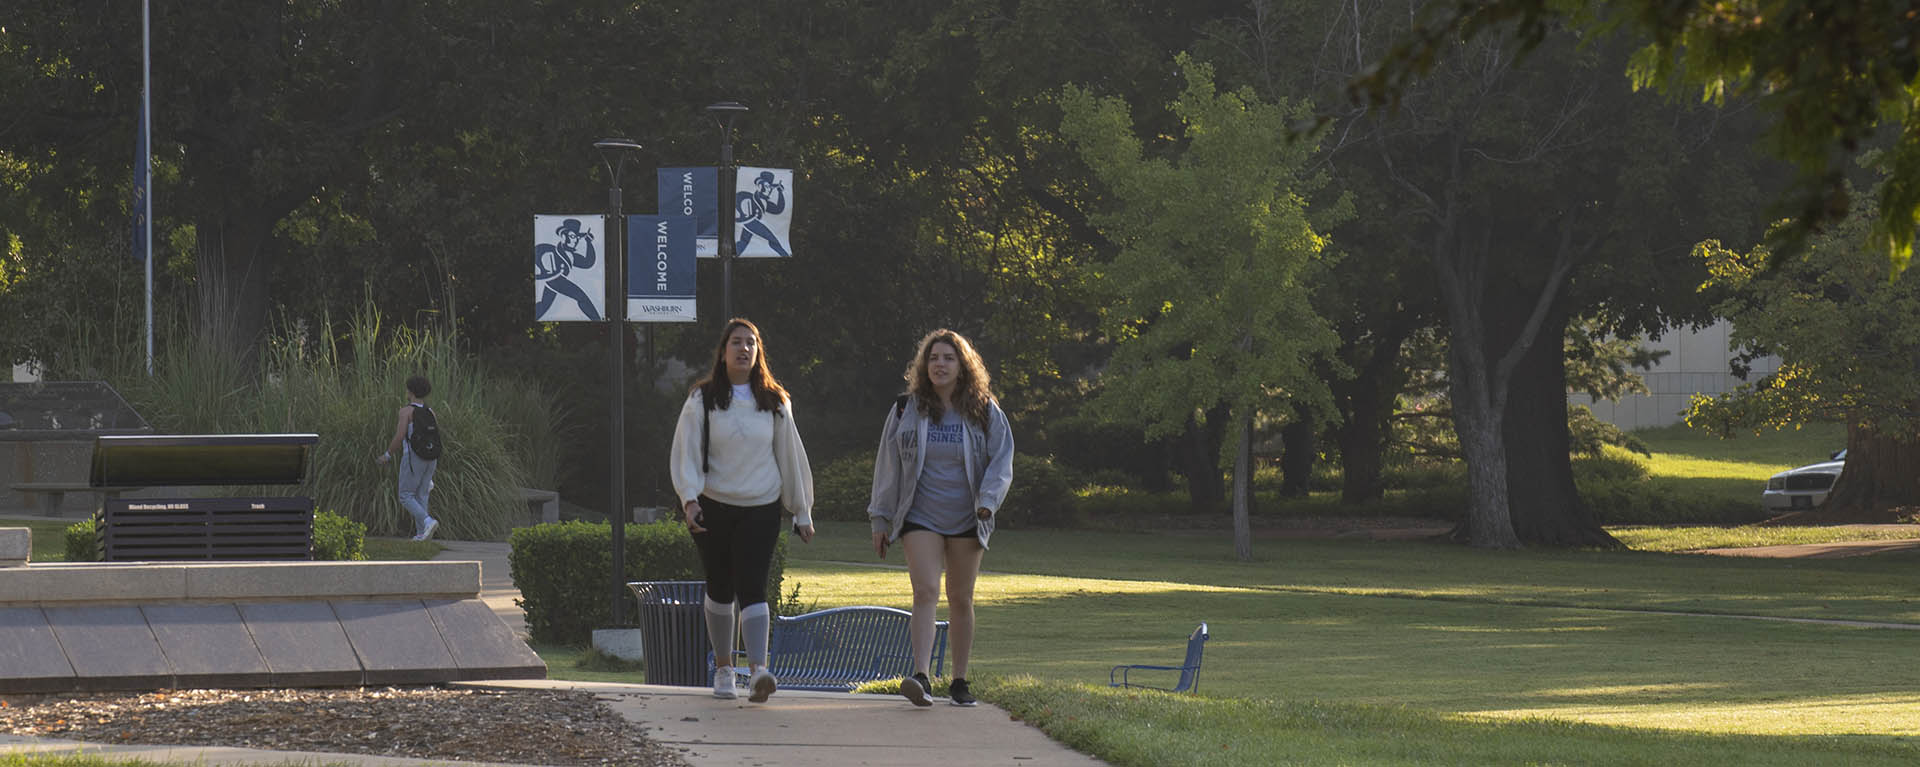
[[915, 688], [959, 695]]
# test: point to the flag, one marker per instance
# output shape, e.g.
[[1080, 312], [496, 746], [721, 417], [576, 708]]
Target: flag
[[142, 163]]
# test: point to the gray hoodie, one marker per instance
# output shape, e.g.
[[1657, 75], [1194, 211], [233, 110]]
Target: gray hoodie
[[896, 467]]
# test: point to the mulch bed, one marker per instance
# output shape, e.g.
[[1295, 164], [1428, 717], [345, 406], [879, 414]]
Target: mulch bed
[[516, 726]]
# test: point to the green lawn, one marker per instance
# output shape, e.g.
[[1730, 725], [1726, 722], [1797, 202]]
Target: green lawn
[[1768, 451], [1495, 657]]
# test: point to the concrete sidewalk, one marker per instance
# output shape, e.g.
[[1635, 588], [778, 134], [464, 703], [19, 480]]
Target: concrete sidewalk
[[815, 729], [794, 728]]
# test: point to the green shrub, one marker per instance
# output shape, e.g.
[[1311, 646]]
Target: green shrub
[[564, 571], [1425, 474], [1619, 489], [338, 539], [1610, 464], [842, 489], [83, 542], [499, 430], [1590, 436], [1664, 502], [1041, 495]]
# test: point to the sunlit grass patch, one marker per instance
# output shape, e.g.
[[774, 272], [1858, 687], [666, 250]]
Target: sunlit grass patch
[[1645, 538], [1145, 728]]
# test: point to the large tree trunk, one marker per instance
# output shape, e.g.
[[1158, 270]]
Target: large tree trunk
[[1297, 453], [1243, 487], [1881, 482], [1366, 408], [1477, 418], [1200, 459], [1495, 321], [1543, 503]]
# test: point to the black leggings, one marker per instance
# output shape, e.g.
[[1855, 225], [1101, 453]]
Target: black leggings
[[737, 549]]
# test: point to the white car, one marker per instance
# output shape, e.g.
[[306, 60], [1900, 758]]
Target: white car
[[1803, 488]]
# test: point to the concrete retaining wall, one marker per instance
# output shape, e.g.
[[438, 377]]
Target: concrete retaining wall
[[133, 626]]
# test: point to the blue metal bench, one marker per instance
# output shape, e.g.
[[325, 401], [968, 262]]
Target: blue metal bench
[[1189, 670], [842, 648]]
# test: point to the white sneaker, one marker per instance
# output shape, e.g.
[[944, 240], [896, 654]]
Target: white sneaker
[[428, 533], [761, 685], [723, 683]]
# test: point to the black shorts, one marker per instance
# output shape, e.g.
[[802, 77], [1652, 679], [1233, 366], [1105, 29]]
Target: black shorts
[[971, 532]]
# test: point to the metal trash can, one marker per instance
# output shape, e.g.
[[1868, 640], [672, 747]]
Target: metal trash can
[[673, 631]]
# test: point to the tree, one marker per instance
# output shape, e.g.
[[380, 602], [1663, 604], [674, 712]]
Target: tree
[[1848, 338], [1832, 73], [1219, 246]]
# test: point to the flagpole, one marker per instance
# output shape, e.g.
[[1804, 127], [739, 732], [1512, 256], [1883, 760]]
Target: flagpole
[[146, 138]]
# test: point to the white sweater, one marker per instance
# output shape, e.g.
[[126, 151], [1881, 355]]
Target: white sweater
[[755, 458]]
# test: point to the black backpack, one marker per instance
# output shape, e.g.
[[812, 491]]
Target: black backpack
[[425, 439]]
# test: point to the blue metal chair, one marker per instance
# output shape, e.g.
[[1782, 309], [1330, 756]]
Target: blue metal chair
[[1189, 670]]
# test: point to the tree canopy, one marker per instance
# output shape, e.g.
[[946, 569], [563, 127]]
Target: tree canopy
[[1833, 74], [1219, 247]]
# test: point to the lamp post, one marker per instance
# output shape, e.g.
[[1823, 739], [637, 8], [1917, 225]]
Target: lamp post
[[724, 113], [614, 152]]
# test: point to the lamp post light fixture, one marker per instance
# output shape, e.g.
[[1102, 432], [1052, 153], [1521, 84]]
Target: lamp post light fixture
[[615, 152], [724, 113]]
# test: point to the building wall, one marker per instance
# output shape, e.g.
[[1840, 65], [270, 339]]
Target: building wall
[[1697, 365]]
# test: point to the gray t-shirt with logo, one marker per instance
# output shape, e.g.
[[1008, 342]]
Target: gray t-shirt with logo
[[942, 502]]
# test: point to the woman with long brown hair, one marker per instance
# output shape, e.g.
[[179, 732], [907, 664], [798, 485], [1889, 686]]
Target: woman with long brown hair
[[737, 461], [944, 465]]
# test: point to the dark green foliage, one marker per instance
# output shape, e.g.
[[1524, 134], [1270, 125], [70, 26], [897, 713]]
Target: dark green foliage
[[1041, 496], [1084, 443], [1588, 433], [83, 542], [338, 539], [563, 572], [842, 489]]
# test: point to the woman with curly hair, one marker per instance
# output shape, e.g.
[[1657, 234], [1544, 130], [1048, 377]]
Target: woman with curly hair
[[944, 465], [737, 462]]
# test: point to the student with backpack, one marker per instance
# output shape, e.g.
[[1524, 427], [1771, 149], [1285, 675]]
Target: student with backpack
[[943, 467], [417, 439], [737, 462]]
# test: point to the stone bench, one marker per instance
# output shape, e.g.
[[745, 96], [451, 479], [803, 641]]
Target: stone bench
[[543, 506]]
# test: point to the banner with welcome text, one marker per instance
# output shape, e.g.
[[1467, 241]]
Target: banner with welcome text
[[660, 269], [694, 192]]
